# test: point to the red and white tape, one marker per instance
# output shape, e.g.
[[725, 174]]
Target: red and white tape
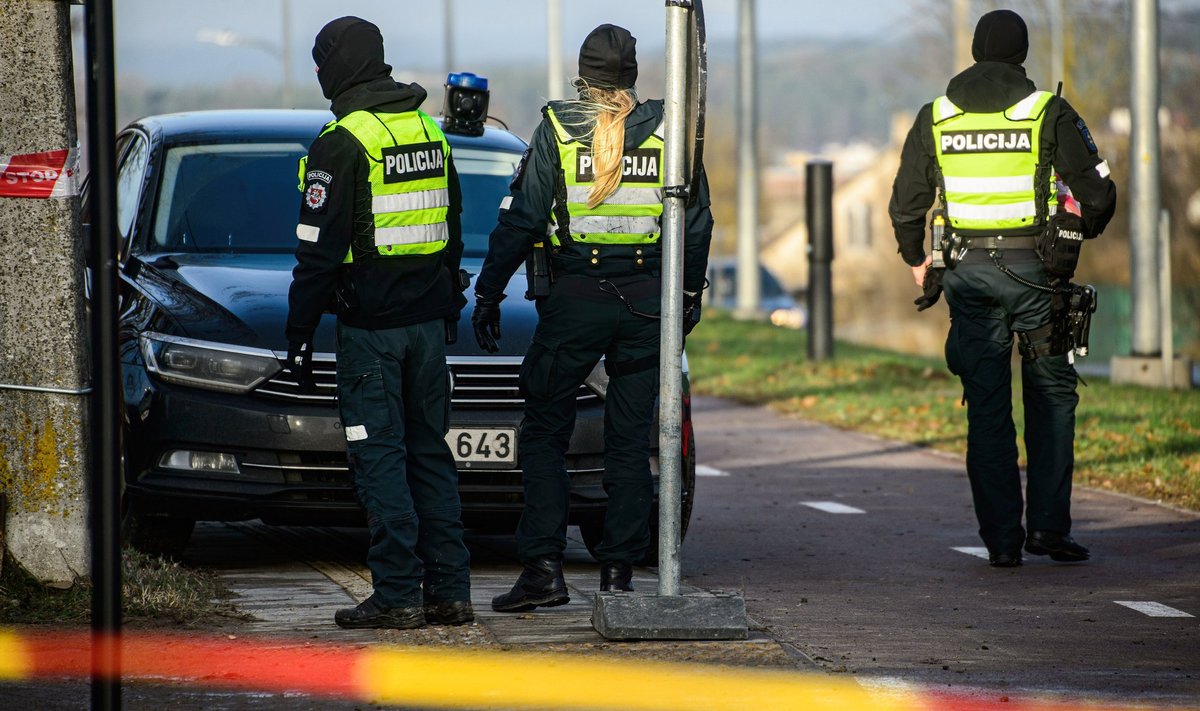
[[49, 174]]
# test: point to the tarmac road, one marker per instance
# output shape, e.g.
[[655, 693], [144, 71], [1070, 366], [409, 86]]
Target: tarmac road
[[880, 591], [856, 556]]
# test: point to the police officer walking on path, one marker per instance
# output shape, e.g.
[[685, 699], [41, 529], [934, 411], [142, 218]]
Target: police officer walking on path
[[589, 192], [380, 237], [988, 152]]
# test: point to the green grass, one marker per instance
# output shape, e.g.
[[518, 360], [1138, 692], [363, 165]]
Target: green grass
[[1138, 441], [154, 591]]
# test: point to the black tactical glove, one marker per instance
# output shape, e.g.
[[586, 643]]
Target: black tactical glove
[[691, 311], [486, 322], [300, 365], [931, 287]]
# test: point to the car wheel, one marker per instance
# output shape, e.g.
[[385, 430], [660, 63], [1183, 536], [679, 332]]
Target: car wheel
[[687, 497], [162, 535], [592, 530]]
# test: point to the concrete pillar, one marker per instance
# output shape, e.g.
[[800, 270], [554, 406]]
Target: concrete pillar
[[43, 451]]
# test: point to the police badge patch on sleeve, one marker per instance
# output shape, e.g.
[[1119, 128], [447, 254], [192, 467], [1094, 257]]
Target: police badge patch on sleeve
[[1087, 136], [315, 195], [518, 177]]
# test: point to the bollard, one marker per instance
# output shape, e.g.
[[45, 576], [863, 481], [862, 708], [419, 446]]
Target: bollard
[[818, 203]]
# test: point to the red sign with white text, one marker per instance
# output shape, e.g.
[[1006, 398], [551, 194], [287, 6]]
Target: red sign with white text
[[50, 174]]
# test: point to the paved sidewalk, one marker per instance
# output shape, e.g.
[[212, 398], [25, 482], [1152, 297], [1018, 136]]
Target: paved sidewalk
[[293, 579]]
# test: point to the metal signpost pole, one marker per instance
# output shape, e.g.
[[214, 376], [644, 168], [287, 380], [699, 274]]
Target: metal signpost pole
[[106, 470], [672, 613], [670, 394]]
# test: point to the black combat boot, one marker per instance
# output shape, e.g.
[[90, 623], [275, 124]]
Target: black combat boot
[[1059, 546], [449, 612], [541, 585], [372, 613], [616, 576]]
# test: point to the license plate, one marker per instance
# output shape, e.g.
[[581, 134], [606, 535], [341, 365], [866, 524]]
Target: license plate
[[483, 446]]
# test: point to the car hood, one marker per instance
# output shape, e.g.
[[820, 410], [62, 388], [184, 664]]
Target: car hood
[[242, 299]]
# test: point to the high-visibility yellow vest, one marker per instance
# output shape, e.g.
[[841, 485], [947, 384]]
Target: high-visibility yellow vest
[[989, 164], [632, 214], [410, 190]]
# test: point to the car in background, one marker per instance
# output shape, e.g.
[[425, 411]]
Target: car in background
[[214, 428], [781, 307]]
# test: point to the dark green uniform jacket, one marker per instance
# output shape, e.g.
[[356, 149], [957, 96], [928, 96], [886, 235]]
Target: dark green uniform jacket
[[377, 292], [989, 87], [528, 213]]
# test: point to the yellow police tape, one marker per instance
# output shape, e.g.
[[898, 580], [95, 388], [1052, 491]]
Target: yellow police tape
[[14, 662], [483, 679]]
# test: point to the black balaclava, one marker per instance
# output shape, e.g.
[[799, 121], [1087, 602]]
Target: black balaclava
[[348, 52], [608, 58], [1000, 36]]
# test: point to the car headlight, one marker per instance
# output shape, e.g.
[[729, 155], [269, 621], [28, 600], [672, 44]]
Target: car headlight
[[597, 380], [203, 364]]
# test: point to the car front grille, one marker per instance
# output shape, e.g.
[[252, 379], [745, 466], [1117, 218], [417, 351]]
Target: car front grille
[[480, 382]]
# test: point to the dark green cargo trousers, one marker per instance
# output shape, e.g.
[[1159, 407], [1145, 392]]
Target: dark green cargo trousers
[[986, 308], [394, 396], [577, 324]]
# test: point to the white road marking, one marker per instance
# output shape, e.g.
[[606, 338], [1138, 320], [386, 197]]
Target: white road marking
[[832, 507], [977, 551], [1152, 609], [705, 470]]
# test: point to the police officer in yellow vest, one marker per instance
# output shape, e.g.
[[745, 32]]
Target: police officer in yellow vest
[[591, 187], [987, 152], [380, 243]]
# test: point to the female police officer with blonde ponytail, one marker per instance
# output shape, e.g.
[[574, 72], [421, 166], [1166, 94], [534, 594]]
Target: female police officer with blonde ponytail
[[590, 189]]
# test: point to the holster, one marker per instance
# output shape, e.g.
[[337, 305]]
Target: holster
[[1069, 327], [539, 273], [1053, 339]]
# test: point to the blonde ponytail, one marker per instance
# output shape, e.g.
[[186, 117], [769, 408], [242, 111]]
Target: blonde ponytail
[[606, 110]]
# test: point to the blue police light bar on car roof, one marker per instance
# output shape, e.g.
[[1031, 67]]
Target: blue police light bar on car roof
[[464, 110], [467, 80]]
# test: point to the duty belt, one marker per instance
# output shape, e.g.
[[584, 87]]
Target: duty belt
[[1000, 242]]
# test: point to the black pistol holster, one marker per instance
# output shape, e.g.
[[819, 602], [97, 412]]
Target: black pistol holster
[[539, 274], [1069, 328]]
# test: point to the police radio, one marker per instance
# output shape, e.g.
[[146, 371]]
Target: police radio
[[464, 110], [937, 229]]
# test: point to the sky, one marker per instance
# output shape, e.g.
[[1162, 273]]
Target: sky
[[162, 40], [486, 32]]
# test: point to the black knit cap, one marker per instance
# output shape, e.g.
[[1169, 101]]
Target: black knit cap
[[608, 59], [348, 52], [1000, 36]]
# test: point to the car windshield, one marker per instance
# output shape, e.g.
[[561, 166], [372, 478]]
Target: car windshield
[[243, 197], [484, 177]]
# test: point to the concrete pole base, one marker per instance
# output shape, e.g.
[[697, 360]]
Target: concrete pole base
[[696, 616], [1149, 372]]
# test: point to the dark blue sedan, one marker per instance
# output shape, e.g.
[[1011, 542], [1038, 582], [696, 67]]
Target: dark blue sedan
[[214, 428]]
